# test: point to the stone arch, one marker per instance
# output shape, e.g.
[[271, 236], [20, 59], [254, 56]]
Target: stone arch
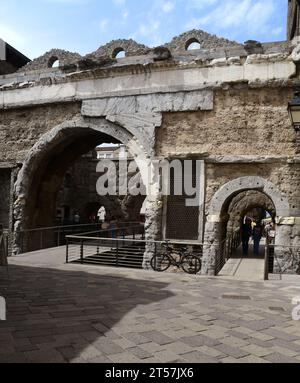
[[131, 47], [243, 203], [63, 139], [220, 204], [227, 191], [47, 60], [191, 41], [207, 41], [117, 51]]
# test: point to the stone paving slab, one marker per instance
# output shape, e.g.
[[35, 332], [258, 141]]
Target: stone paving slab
[[80, 314]]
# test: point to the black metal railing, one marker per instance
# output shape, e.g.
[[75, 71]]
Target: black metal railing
[[49, 237], [125, 250], [280, 260], [226, 249]]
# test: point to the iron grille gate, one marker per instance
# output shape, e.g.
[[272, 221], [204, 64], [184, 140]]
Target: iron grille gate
[[182, 221]]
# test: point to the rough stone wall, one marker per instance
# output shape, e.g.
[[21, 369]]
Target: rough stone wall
[[206, 40], [244, 121], [111, 49], [80, 194], [47, 60], [286, 177], [5, 184], [21, 129]]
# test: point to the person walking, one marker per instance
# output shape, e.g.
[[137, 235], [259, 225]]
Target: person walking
[[257, 236], [114, 227], [246, 232]]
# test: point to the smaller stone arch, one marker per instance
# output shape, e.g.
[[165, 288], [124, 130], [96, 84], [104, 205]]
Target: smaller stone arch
[[52, 61], [47, 60], [206, 40], [227, 191], [117, 51], [215, 221], [191, 41], [131, 47]]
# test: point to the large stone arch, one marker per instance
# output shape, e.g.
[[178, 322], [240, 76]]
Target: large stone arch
[[220, 203], [57, 139]]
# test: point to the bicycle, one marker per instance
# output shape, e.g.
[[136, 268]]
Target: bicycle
[[190, 263]]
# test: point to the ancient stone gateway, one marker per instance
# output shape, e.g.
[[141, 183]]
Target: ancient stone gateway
[[223, 105]]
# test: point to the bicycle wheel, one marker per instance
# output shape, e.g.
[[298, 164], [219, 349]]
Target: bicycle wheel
[[191, 264], [160, 262]]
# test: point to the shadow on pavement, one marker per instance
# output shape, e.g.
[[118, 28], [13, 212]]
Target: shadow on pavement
[[55, 316]]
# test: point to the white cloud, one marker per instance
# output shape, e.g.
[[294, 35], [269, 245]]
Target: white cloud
[[119, 2], [250, 15], [103, 24], [168, 6], [200, 4]]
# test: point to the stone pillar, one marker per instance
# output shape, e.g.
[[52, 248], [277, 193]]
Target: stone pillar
[[153, 226], [287, 245], [154, 208]]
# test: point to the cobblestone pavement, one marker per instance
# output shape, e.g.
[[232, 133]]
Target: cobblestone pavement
[[73, 313]]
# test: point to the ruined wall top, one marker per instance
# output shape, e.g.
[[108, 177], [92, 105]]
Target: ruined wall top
[[49, 58], [206, 41], [112, 49], [131, 48]]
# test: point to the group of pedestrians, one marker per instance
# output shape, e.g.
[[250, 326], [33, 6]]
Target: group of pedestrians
[[255, 230]]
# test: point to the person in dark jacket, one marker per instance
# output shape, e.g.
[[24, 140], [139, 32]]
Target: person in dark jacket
[[257, 236], [246, 232]]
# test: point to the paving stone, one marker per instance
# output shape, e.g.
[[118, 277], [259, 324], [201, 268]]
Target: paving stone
[[198, 357], [279, 358], [281, 335], [137, 338], [178, 348], [51, 356], [99, 359], [200, 340], [257, 350], [124, 358], [157, 337], [232, 351], [284, 351], [107, 347], [140, 353], [235, 342]]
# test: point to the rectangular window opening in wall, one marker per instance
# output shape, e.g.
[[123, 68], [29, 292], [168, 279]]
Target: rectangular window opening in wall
[[183, 222]]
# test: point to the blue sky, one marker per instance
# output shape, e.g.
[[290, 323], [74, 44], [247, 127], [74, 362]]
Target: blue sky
[[36, 26]]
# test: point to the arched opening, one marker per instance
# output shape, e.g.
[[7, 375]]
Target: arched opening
[[53, 62], [192, 44], [229, 207], [58, 179], [245, 218], [119, 53]]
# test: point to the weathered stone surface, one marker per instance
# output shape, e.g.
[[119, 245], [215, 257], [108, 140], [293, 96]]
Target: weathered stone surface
[[130, 47], [207, 41], [170, 102], [47, 60]]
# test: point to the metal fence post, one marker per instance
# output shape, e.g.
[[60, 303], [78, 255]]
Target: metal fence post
[[42, 242], [81, 251], [58, 237], [117, 257], [266, 275], [67, 250]]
